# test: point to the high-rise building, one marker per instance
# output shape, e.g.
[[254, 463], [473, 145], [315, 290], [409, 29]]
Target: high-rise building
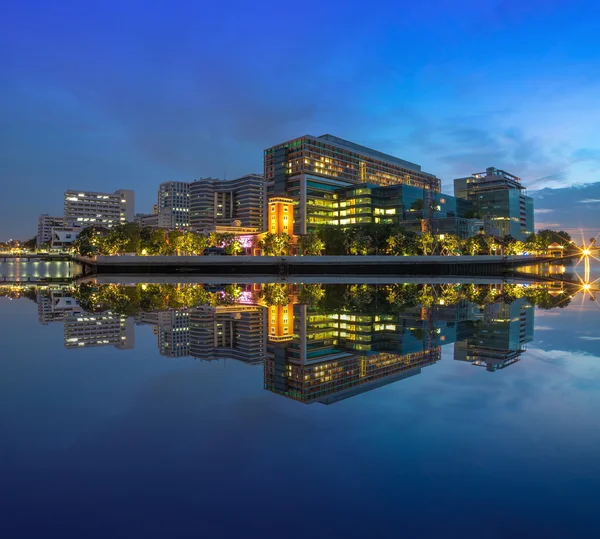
[[174, 204], [310, 169], [501, 198], [240, 202], [86, 208], [45, 225]]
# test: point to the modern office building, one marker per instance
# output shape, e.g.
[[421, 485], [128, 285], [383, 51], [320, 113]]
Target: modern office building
[[230, 203], [84, 329], [86, 208], [46, 224], [310, 169], [174, 204], [501, 198]]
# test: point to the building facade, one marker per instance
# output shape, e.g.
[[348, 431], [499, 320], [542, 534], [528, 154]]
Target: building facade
[[310, 170], [154, 220], [500, 198], [174, 204], [239, 203], [86, 208], [45, 225]]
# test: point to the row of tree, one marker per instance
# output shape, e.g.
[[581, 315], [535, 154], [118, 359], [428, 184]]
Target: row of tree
[[131, 238], [367, 239]]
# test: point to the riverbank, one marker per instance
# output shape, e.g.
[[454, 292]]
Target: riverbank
[[309, 265]]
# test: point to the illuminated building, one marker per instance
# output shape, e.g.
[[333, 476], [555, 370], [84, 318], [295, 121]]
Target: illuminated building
[[173, 205], [228, 332], [310, 170], [230, 203], [501, 198], [86, 208], [85, 330], [45, 225], [281, 216]]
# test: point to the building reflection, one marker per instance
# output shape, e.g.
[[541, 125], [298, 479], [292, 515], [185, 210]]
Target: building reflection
[[333, 356], [321, 352]]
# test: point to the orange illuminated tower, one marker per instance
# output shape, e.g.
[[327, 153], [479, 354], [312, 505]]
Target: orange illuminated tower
[[281, 216]]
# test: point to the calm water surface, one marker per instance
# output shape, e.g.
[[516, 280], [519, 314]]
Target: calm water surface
[[294, 411]]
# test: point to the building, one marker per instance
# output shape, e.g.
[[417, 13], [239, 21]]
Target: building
[[55, 304], [231, 203], [174, 334], [154, 220], [64, 237], [310, 170], [45, 225], [84, 329], [498, 339], [229, 332], [174, 204], [86, 208], [500, 198]]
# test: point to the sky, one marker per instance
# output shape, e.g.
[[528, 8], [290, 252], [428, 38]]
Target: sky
[[103, 95]]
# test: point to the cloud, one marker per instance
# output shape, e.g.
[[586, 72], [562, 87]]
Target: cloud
[[590, 201], [543, 210], [586, 338]]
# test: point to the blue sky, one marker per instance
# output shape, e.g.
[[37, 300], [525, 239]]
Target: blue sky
[[107, 95]]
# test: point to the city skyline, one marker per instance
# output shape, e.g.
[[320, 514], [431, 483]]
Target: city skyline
[[90, 103]]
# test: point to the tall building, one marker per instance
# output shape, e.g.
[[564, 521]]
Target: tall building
[[46, 223], [310, 169], [174, 204], [154, 220], [86, 208], [240, 202], [501, 198]]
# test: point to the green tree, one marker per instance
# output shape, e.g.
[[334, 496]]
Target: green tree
[[275, 244], [311, 245], [426, 243], [311, 293], [275, 294], [358, 243], [450, 244]]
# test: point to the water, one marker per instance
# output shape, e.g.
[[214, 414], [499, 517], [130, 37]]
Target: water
[[371, 411]]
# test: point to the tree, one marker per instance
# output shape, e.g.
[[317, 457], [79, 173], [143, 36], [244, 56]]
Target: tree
[[31, 244], [426, 243], [234, 248], [333, 237], [358, 243], [152, 241], [311, 245], [275, 244], [311, 293], [91, 241], [450, 244], [275, 294]]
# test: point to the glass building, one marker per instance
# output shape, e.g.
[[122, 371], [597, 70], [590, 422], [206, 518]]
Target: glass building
[[311, 169], [499, 197]]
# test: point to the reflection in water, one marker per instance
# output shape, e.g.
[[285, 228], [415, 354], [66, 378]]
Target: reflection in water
[[319, 343]]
